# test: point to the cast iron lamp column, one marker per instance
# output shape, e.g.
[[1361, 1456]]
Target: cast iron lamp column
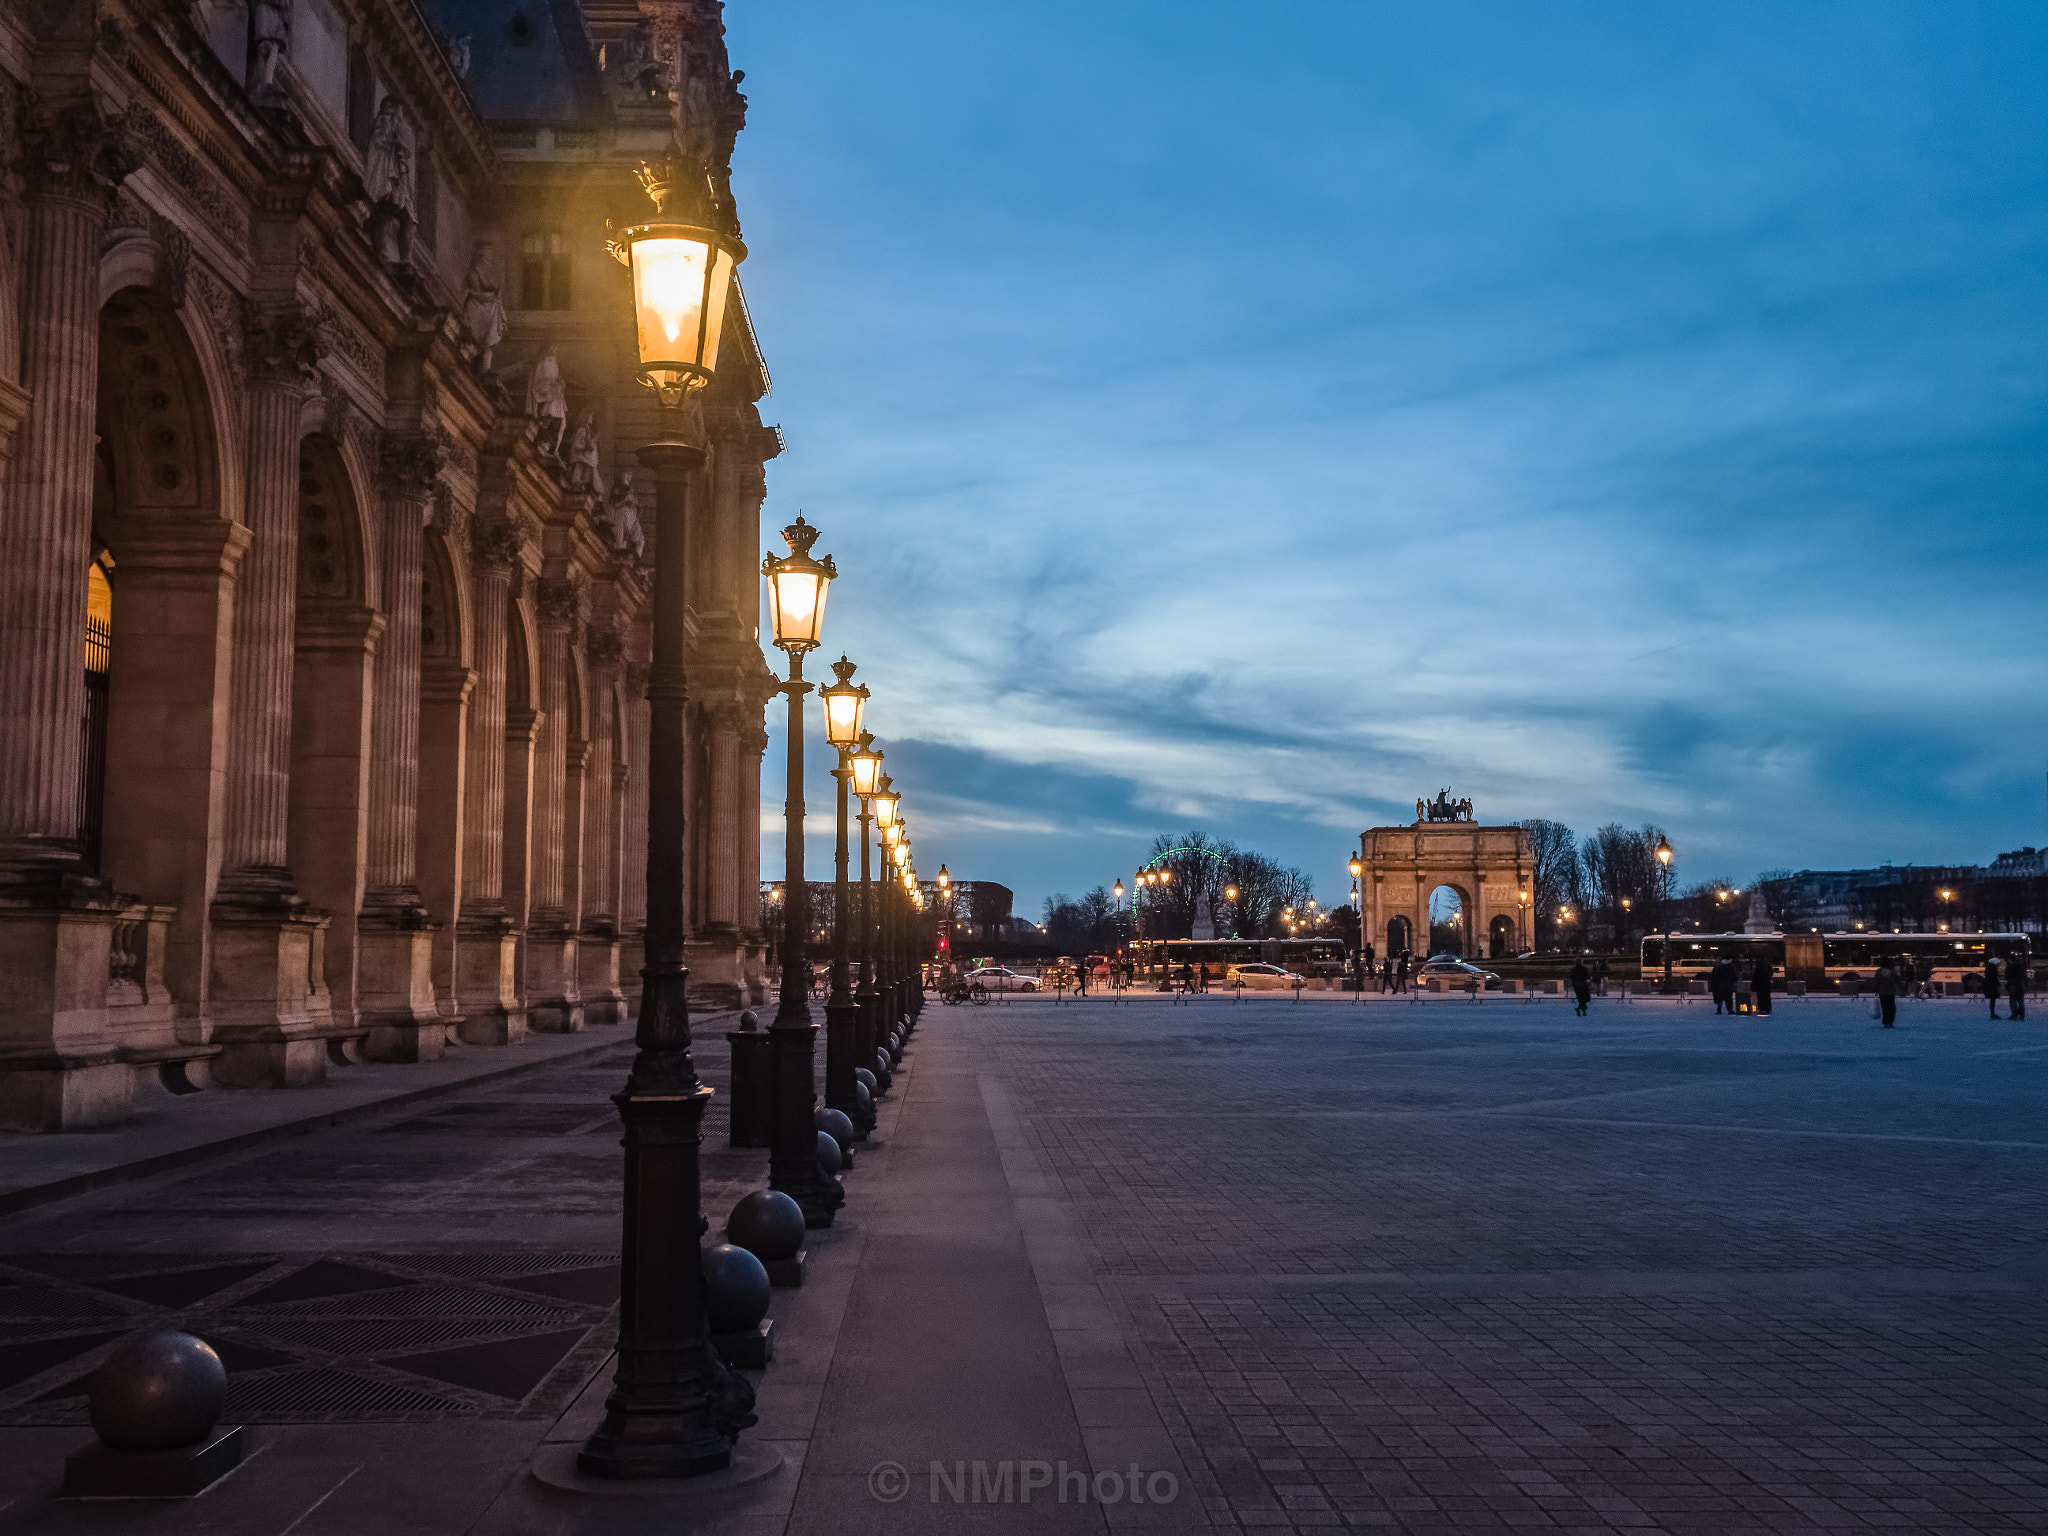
[[796, 607], [674, 1408], [844, 701], [1664, 904]]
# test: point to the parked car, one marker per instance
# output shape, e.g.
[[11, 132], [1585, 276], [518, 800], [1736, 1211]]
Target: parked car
[[1451, 968], [1000, 978], [1261, 975]]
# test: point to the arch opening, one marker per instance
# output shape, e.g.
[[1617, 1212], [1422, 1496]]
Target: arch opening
[[1448, 921]]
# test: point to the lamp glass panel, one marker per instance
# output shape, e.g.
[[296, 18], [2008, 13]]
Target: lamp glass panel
[[885, 811], [842, 715], [867, 768], [668, 297], [796, 605]]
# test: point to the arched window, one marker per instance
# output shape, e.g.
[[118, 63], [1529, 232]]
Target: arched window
[[99, 661], [544, 270]]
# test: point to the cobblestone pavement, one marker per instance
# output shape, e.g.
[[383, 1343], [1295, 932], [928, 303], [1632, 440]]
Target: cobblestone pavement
[[1454, 1266]]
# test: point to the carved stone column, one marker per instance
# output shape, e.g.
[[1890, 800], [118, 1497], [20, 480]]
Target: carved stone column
[[604, 1000], [753, 748], [268, 989], [57, 1065], [553, 1002], [717, 947], [633, 834], [395, 972], [486, 975]]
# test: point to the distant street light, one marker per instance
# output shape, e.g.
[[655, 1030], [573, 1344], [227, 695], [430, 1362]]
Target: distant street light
[[845, 702], [796, 608], [1663, 851]]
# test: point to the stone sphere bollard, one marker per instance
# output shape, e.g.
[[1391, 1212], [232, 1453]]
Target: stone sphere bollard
[[828, 1154], [882, 1065], [749, 1020], [865, 1078], [861, 1093], [836, 1124], [735, 1289], [159, 1392], [768, 1224]]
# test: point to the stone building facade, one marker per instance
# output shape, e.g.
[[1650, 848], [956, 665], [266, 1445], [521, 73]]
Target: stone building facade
[[324, 611]]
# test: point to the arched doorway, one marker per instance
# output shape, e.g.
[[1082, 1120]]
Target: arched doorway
[[1500, 937], [158, 600], [1400, 936], [334, 639], [1448, 921]]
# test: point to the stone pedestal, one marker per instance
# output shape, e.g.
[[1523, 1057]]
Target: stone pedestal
[[58, 1069], [487, 982], [718, 976], [554, 1002], [269, 995], [597, 979], [395, 988]]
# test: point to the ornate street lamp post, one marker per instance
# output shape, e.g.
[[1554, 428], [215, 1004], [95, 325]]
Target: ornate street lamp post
[[796, 610], [844, 701], [865, 765], [674, 1408], [887, 803], [1663, 851]]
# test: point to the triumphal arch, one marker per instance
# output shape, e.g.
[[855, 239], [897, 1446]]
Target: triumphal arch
[[1489, 867]]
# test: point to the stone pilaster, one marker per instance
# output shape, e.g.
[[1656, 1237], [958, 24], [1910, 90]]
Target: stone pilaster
[[633, 830], [717, 946], [395, 977], [282, 350], [604, 1001], [57, 1066], [486, 975], [72, 159], [753, 747], [553, 1002]]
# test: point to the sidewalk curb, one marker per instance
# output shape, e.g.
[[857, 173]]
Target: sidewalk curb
[[126, 1173]]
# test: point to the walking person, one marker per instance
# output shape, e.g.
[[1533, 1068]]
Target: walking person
[[1760, 984], [1386, 975], [1991, 982], [1582, 985], [2016, 988], [1721, 982], [1600, 976], [1887, 990]]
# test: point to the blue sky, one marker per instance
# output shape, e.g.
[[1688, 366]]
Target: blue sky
[[1254, 418]]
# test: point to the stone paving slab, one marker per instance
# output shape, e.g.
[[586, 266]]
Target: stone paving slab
[[173, 1130]]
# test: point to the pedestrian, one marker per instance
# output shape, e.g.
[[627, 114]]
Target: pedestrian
[[1991, 982], [2016, 988], [1887, 990], [1923, 975], [1721, 982], [1600, 976], [1760, 983], [1386, 975], [1081, 978], [1582, 985]]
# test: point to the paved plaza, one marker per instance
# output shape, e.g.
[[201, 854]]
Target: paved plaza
[[1318, 1264]]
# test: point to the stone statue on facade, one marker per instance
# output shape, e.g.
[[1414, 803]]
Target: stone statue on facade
[[624, 506], [270, 33], [1443, 808], [483, 310], [458, 56], [582, 456], [547, 402], [390, 178]]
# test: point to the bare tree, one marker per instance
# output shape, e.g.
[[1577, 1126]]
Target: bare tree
[[1555, 879]]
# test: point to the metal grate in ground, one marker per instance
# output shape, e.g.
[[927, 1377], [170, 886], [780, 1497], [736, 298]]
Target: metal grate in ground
[[313, 1338]]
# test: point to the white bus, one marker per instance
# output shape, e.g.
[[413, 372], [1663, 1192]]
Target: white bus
[[1809, 957]]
